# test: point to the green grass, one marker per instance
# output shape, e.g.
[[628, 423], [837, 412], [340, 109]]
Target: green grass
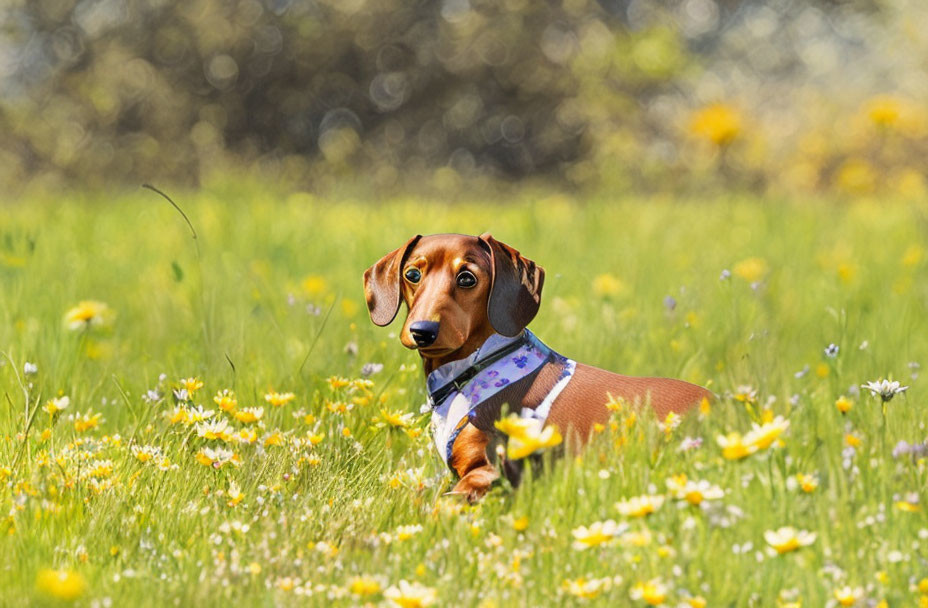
[[231, 308]]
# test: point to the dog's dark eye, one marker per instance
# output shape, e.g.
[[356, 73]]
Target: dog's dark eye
[[413, 275], [466, 279]]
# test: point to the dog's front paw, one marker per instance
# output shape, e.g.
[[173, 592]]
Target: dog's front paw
[[474, 486]]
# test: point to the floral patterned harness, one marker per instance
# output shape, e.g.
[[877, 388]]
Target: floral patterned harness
[[457, 389]]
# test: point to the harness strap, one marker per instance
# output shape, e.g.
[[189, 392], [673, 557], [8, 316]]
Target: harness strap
[[438, 397]]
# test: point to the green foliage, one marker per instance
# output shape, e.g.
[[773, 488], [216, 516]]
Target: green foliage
[[274, 304]]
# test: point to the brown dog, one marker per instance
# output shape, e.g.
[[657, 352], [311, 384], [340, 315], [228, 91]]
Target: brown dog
[[469, 301]]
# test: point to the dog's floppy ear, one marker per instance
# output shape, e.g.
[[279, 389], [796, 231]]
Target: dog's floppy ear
[[515, 288], [382, 284]]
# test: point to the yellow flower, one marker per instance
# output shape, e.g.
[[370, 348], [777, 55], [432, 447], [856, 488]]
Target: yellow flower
[[913, 255], [698, 602], [249, 414], [587, 589], [86, 314], [397, 418], [652, 592], [214, 429], [751, 269], [908, 507], [226, 401], [246, 436], [192, 384], [734, 447], [178, 414], [313, 285], [808, 483], [55, 406], [856, 176], [65, 585], [279, 399], [705, 407], [234, 494], [852, 440], [696, 492], [717, 123], [846, 596], [639, 506], [884, 110], [363, 586], [410, 595], [275, 438], [407, 532], [145, 453], [607, 285], [762, 436], [844, 404], [598, 533], [520, 524], [87, 421], [527, 435], [788, 539], [336, 382], [315, 438]]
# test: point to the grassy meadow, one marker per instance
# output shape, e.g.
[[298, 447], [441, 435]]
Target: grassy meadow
[[204, 421]]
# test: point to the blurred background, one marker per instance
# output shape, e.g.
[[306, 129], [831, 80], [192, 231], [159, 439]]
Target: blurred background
[[680, 96]]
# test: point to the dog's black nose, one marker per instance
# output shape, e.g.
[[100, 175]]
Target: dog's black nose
[[424, 332]]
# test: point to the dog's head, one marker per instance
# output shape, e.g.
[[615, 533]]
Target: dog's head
[[458, 289]]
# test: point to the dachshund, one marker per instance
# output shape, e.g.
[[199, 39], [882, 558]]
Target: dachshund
[[469, 300]]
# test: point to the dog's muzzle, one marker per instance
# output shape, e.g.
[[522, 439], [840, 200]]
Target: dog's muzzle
[[424, 333]]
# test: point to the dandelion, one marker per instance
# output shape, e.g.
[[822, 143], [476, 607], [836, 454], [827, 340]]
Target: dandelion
[[652, 592], [191, 385], [65, 585], [527, 435], [87, 421], [734, 447], [787, 539], [54, 406], [639, 506], [396, 419], [847, 596], [410, 595], [279, 399], [587, 589], [225, 400], [520, 523], [843, 404], [884, 389], [596, 534], [718, 123], [87, 313]]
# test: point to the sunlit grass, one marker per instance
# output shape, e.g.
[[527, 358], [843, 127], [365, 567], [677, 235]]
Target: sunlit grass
[[309, 482]]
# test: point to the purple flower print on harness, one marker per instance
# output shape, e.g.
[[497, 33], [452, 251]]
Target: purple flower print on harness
[[457, 388]]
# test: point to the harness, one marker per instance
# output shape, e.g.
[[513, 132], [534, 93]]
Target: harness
[[457, 389]]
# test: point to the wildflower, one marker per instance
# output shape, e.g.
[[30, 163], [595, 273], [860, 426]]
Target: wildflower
[[279, 399], [191, 385], [526, 435], [248, 436], [745, 394], [689, 444], [598, 533], [214, 429], [275, 438], [86, 314], [217, 458], [718, 123], [30, 368], [249, 414], [751, 270], [788, 539], [337, 382], [831, 351], [696, 492], [916, 451], [587, 589], [55, 406], [410, 595], [762, 436], [65, 585], [607, 285], [363, 586], [407, 532], [234, 494], [670, 423], [652, 592], [178, 414], [639, 506], [226, 401], [87, 421], [852, 440], [808, 483], [846, 596], [369, 369], [884, 389], [843, 404], [724, 275], [520, 524], [734, 447], [396, 419]]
